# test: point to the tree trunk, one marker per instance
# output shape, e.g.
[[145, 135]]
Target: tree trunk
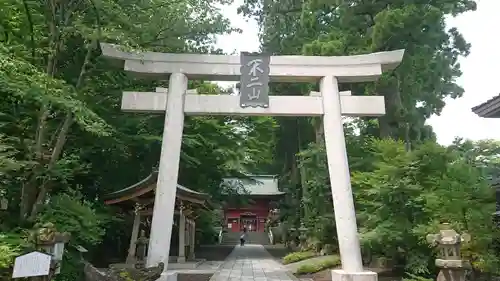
[[388, 123], [37, 201], [29, 190], [302, 175], [318, 130]]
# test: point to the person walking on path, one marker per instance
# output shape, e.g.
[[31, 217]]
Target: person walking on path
[[243, 236]]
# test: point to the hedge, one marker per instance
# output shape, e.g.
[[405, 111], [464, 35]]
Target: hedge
[[316, 266], [297, 256]]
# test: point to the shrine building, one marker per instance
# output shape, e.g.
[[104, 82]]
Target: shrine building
[[259, 195], [138, 199]]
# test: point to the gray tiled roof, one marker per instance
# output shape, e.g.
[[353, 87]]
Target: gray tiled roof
[[151, 179], [255, 185], [489, 108]]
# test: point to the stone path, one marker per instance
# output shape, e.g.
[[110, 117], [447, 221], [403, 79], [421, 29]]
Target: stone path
[[207, 267], [251, 263]]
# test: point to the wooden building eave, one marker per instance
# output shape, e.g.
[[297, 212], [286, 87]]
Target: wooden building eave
[[143, 192], [488, 109], [270, 196]]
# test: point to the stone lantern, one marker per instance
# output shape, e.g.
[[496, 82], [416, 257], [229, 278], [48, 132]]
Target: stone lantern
[[449, 261], [4, 203], [291, 238], [303, 236], [141, 250], [48, 239]]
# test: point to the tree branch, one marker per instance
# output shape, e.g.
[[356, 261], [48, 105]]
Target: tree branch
[[62, 137], [32, 33]]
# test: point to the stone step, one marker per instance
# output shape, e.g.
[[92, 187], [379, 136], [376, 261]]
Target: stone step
[[233, 238]]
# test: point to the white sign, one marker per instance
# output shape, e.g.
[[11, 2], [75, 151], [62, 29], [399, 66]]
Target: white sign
[[32, 264], [229, 225]]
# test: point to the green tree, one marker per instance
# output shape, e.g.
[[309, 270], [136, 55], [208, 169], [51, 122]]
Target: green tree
[[62, 129], [413, 91], [402, 195]]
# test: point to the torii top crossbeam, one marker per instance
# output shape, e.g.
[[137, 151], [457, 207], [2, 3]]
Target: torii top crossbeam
[[358, 68]]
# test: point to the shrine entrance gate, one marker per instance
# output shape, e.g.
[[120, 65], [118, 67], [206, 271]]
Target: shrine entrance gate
[[328, 103]]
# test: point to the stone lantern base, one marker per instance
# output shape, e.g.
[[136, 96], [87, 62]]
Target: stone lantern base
[[341, 275], [452, 270], [456, 274]]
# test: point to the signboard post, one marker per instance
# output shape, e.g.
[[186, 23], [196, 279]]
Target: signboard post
[[254, 80], [45, 238], [32, 265]]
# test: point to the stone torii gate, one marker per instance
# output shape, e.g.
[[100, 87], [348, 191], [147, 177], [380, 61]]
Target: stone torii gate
[[329, 103]]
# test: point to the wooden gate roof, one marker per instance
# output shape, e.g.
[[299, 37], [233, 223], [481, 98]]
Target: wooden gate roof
[[143, 191]]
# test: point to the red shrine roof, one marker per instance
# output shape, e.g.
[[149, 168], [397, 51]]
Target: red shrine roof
[[255, 185], [145, 189], [488, 109]]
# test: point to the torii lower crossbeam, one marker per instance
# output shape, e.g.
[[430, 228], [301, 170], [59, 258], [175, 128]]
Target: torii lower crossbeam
[[194, 104]]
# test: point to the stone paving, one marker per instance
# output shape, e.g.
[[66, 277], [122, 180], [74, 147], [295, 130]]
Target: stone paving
[[207, 267], [251, 263]]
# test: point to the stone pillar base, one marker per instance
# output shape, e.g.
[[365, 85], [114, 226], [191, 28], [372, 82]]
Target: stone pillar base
[[168, 276], [181, 259], [341, 275], [130, 260]]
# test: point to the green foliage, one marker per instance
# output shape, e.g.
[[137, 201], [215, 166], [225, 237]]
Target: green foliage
[[53, 78], [8, 163], [70, 213], [72, 268], [413, 277], [12, 244], [8, 251], [402, 195], [21, 80], [316, 266], [414, 91], [7, 255], [318, 209], [206, 233], [298, 256], [408, 193]]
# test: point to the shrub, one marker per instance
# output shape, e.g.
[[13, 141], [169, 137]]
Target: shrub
[[298, 256], [7, 255], [10, 248], [316, 266], [412, 277], [70, 213]]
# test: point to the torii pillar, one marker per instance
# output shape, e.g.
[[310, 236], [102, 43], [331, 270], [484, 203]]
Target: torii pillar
[[329, 103]]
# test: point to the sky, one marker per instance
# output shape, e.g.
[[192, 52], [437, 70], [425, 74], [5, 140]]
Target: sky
[[479, 77]]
